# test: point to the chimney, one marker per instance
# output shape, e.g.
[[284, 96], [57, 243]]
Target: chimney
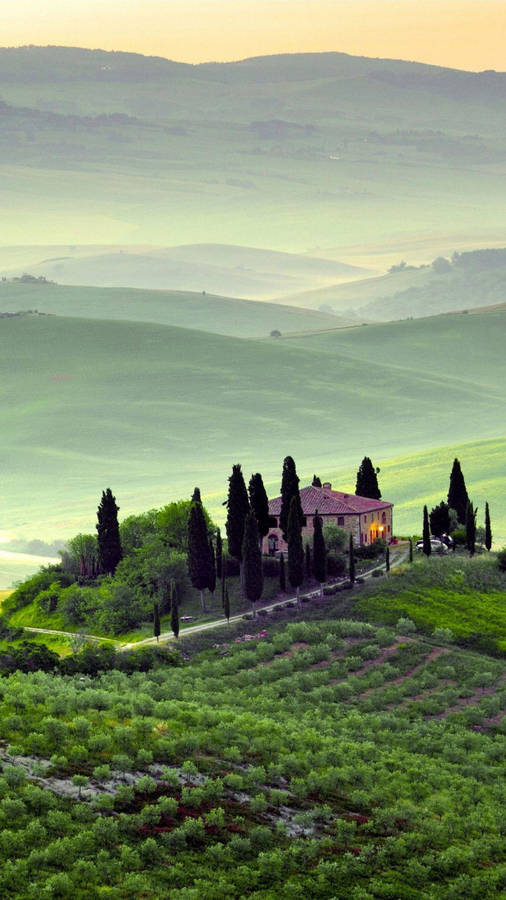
[[327, 486]]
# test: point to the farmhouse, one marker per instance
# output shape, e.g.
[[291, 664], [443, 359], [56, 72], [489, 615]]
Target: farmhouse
[[366, 519]]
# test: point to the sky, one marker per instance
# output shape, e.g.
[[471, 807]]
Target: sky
[[466, 34]]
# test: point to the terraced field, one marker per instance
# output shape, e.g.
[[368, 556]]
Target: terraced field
[[333, 760]]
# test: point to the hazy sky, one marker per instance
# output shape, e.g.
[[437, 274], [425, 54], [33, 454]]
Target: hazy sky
[[468, 34]]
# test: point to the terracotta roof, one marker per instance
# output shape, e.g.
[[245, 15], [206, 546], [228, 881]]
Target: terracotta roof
[[329, 502]]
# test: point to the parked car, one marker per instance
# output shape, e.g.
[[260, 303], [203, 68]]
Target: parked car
[[436, 545]]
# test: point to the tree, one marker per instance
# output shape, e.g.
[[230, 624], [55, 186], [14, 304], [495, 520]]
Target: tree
[[367, 480], [252, 561], [427, 546], [410, 550], [219, 554], [199, 556], [226, 605], [316, 481], [387, 559], [289, 490], [156, 621], [237, 510], [295, 548], [172, 523], [80, 556], [309, 565], [259, 504], [488, 530], [174, 614], [471, 528], [196, 498], [351, 560], [212, 568], [439, 518], [319, 551], [109, 544], [282, 573], [336, 538], [457, 492]]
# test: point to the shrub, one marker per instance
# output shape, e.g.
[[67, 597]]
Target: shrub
[[270, 566], [501, 559], [336, 564], [443, 634], [405, 625], [377, 573]]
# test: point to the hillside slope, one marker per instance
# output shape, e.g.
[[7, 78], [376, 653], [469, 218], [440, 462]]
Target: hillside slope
[[220, 315], [467, 281], [152, 410], [245, 272]]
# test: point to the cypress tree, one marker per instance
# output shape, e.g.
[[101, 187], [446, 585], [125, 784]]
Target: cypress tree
[[156, 621], [226, 605], [174, 615], [219, 554], [223, 583], [295, 548], [109, 543], [316, 481], [439, 518], [309, 565], [488, 530], [367, 480], [427, 546], [196, 498], [457, 492], [352, 560], [252, 561], [319, 551], [199, 555], [387, 559], [237, 510], [410, 550], [212, 568], [282, 573], [289, 490], [260, 505], [471, 528]]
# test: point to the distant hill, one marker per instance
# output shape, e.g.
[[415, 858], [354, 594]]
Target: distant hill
[[290, 152], [153, 410], [245, 272], [218, 315], [468, 280]]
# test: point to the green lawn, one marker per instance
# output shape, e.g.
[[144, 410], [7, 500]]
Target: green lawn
[[466, 596]]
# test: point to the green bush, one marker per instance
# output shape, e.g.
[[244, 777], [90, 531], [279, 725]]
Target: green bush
[[501, 559]]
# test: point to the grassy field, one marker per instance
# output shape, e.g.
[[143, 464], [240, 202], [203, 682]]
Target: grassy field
[[78, 416], [466, 596], [217, 315]]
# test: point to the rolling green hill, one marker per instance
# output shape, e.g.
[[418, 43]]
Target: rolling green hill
[[220, 315], [288, 152], [79, 414], [245, 272]]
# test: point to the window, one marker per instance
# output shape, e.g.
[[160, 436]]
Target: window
[[340, 521], [384, 518], [388, 528], [365, 518], [304, 521]]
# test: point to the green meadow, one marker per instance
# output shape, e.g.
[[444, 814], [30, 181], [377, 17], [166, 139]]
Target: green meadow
[[185, 309]]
